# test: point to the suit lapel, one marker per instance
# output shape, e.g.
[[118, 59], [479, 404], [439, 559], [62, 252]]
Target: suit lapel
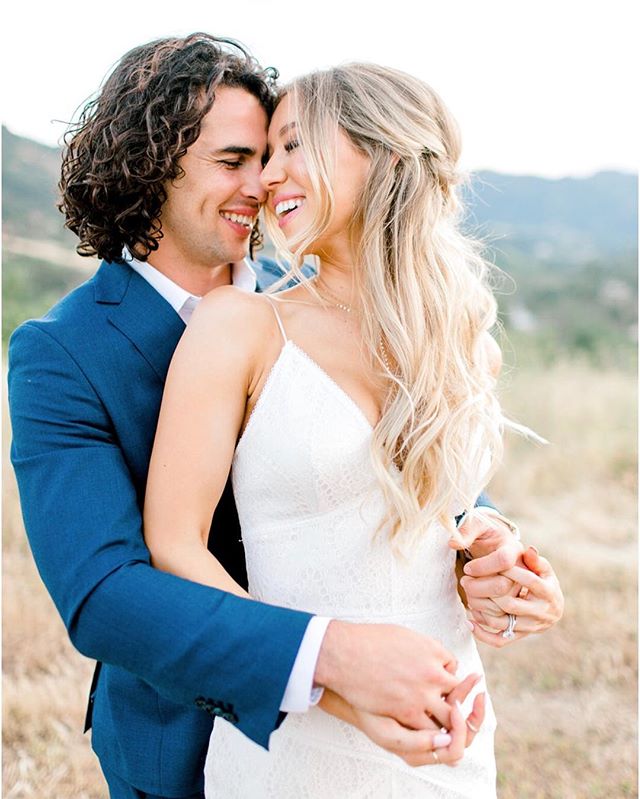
[[140, 314], [154, 328]]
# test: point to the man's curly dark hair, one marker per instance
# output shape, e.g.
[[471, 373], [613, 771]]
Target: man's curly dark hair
[[128, 140]]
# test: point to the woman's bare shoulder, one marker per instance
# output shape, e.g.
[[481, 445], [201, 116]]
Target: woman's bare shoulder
[[231, 311]]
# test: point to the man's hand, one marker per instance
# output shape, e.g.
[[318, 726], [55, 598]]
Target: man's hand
[[484, 579], [417, 747], [494, 547], [389, 671]]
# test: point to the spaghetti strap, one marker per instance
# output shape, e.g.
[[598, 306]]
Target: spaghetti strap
[[278, 319]]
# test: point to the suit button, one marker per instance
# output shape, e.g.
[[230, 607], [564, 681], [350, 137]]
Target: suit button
[[216, 708], [225, 711], [200, 702]]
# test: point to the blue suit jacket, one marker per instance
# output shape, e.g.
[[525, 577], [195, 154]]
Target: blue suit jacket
[[85, 385]]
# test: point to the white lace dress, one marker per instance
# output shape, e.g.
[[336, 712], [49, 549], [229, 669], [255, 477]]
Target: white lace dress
[[309, 504]]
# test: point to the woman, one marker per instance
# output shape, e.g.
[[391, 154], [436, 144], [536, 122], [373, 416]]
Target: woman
[[362, 415]]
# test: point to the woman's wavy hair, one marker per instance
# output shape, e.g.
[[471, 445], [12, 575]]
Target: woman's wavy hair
[[422, 285], [128, 141]]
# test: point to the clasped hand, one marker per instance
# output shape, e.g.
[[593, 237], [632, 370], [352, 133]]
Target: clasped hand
[[417, 746], [399, 688], [505, 578]]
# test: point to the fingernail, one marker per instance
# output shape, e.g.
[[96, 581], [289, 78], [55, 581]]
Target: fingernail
[[533, 549], [440, 740], [470, 624], [466, 569]]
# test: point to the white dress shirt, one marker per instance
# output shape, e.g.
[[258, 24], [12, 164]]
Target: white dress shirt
[[300, 693], [182, 302]]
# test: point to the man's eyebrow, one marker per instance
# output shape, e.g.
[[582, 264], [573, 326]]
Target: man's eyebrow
[[235, 150], [285, 128]]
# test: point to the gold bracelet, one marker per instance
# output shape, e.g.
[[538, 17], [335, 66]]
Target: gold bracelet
[[490, 513], [515, 530]]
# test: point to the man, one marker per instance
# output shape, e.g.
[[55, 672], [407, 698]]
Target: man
[[161, 180]]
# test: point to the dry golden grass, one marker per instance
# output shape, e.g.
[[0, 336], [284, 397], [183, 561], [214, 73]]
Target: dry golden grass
[[566, 701]]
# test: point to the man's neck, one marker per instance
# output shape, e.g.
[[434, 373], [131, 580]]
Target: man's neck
[[197, 281]]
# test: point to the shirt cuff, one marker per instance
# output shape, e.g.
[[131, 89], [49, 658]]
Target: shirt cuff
[[300, 693]]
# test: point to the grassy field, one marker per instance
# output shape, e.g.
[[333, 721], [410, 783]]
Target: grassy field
[[566, 701]]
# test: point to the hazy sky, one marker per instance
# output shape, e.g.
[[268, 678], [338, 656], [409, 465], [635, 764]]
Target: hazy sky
[[538, 87]]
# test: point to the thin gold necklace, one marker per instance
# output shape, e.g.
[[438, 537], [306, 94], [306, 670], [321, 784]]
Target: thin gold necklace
[[336, 303], [335, 300]]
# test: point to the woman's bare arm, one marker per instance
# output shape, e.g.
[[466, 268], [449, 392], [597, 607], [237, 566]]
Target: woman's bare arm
[[202, 411]]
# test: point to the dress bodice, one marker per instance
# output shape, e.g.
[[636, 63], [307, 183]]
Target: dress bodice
[[307, 494]]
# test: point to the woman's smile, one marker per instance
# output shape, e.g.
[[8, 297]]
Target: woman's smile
[[286, 207]]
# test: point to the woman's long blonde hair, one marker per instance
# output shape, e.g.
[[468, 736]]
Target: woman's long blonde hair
[[421, 282]]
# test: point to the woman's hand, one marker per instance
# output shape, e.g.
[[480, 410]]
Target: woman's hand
[[483, 532], [537, 605], [504, 578]]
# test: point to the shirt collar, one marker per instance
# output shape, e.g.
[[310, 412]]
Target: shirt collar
[[242, 275]]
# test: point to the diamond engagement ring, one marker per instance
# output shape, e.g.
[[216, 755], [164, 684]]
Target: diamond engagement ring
[[509, 633]]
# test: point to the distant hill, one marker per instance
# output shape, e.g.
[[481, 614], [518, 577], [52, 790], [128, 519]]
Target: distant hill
[[30, 173], [573, 219]]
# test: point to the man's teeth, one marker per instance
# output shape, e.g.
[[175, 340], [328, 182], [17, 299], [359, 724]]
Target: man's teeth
[[288, 205], [247, 221]]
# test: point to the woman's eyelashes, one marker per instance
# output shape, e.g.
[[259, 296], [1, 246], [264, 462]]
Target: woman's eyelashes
[[291, 145]]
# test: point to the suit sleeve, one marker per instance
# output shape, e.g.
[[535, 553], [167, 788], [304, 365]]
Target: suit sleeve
[[483, 501], [84, 526]]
